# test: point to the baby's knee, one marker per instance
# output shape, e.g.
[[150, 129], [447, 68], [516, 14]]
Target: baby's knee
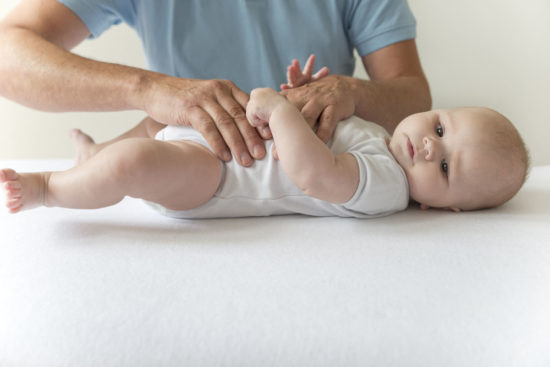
[[130, 159]]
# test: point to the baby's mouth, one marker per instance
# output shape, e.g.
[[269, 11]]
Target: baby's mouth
[[410, 148]]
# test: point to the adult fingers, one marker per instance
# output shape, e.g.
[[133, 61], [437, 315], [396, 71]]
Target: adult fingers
[[311, 111], [243, 98], [265, 132], [240, 96], [254, 141], [327, 123], [227, 128], [203, 123], [297, 96], [240, 136]]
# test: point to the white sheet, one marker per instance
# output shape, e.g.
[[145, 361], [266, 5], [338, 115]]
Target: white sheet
[[123, 286]]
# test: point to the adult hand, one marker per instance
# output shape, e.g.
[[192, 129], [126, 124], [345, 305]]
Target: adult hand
[[325, 101], [215, 108]]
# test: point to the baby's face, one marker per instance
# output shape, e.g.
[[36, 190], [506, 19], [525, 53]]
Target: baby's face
[[445, 156]]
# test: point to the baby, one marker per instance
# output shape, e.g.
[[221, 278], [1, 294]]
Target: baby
[[458, 159]]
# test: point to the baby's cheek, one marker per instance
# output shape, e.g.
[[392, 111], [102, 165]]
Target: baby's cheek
[[422, 188]]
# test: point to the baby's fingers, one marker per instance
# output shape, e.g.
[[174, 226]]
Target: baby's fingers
[[293, 73], [308, 67], [320, 74]]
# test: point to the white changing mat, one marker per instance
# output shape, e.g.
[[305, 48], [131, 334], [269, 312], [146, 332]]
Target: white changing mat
[[124, 286]]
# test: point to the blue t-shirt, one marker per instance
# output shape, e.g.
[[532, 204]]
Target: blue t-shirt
[[251, 42]]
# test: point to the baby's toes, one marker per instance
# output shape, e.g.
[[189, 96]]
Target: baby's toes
[[15, 210], [12, 190], [13, 204], [7, 174], [12, 186]]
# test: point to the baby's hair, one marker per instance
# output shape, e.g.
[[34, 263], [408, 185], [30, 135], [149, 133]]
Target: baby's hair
[[510, 147], [512, 140]]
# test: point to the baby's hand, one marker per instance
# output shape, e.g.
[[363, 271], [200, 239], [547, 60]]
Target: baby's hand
[[261, 104], [296, 78]]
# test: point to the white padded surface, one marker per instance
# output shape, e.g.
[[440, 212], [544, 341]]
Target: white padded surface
[[123, 286]]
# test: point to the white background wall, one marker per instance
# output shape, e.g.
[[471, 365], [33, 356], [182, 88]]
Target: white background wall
[[494, 53]]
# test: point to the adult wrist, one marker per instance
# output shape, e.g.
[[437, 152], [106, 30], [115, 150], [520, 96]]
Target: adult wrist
[[142, 85], [354, 88]]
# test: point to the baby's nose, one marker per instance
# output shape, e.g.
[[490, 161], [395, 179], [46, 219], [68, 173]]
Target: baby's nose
[[429, 148]]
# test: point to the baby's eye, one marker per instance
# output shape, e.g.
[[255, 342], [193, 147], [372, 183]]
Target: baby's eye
[[439, 130], [444, 166]]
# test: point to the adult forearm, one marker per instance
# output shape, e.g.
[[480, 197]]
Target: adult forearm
[[389, 101], [37, 70], [41, 75]]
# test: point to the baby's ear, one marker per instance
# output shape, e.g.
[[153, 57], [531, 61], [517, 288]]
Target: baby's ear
[[425, 207], [456, 210]]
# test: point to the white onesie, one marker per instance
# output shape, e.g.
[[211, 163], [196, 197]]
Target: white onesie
[[264, 189]]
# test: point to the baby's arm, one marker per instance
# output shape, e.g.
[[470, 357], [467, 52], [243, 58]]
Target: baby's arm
[[304, 157]]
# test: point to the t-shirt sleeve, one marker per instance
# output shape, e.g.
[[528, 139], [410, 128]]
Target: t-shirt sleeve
[[382, 188], [100, 15], [375, 24]]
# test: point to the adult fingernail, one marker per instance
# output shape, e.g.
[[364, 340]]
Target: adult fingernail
[[245, 159], [226, 156], [259, 151]]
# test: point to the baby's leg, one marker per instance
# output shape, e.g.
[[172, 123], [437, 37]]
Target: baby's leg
[[86, 147], [177, 175]]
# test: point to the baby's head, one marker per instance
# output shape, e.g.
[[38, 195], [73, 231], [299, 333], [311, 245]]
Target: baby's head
[[460, 159]]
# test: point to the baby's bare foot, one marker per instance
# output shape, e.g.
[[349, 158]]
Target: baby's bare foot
[[84, 145], [22, 191]]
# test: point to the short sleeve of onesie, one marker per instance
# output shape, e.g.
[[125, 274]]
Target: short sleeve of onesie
[[383, 187]]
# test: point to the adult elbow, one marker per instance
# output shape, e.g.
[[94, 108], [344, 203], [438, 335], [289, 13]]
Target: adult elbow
[[423, 95]]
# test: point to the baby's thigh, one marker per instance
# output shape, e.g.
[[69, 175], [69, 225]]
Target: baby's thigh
[[187, 176]]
